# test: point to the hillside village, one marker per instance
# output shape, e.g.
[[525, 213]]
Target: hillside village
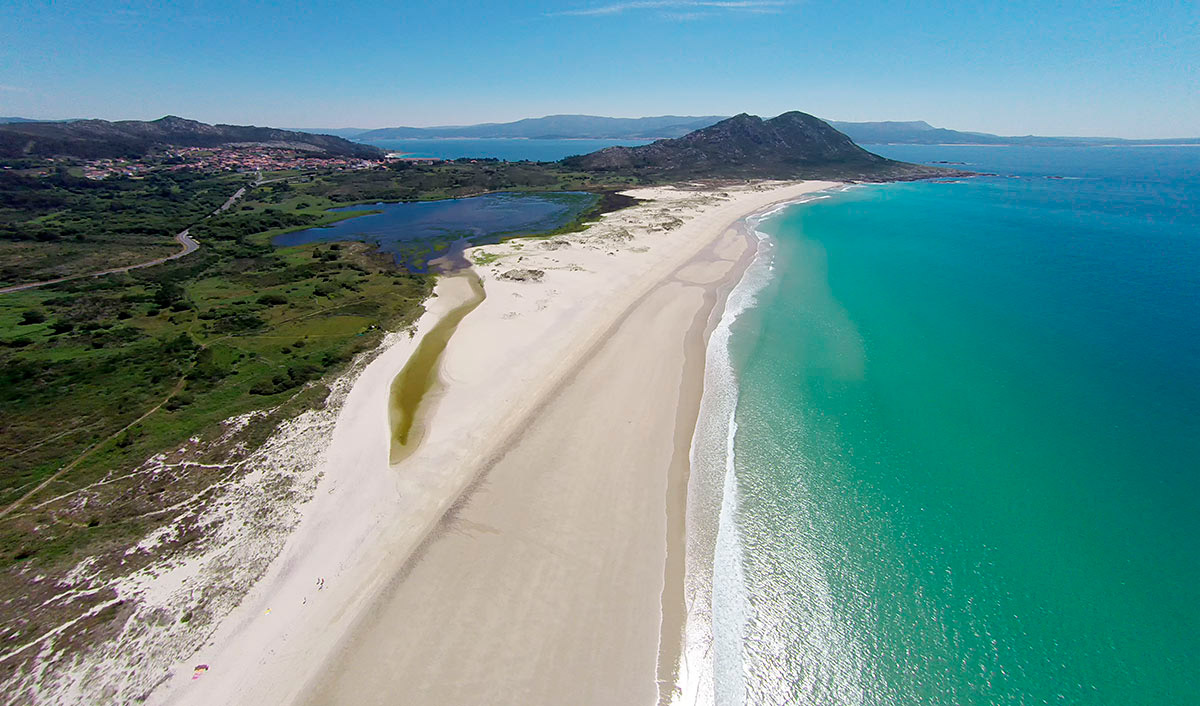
[[223, 159]]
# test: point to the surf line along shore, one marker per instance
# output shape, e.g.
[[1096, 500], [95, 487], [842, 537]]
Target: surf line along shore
[[519, 553]]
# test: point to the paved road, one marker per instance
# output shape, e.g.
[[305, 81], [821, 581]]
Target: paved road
[[188, 246]]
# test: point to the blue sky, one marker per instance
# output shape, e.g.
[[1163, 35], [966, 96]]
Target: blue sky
[[1128, 69]]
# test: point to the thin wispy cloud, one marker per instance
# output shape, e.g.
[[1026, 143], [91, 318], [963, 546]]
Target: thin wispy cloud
[[681, 9], [685, 16]]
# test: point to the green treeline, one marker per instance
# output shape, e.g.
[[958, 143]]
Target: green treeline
[[60, 224], [405, 181], [60, 206]]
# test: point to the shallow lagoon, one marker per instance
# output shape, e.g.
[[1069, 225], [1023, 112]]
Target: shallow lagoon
[[413, 230]]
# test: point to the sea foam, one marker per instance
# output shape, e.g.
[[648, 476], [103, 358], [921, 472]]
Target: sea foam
[[710, 670]]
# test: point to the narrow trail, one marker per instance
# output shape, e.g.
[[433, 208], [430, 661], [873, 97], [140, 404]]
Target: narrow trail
[[188, 245], [65, 469], [174, 391]]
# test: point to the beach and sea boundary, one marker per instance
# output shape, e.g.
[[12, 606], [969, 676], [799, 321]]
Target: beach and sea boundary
[[530, 549], [712, 548]]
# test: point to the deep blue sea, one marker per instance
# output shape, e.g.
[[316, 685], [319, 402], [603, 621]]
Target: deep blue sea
[[509, 150], [966, 439]]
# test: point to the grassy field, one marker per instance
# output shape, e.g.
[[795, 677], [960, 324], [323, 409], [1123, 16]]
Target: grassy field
[[205, 345], [412, 182], [97, 375]]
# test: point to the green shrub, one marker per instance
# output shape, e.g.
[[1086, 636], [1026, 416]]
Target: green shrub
[[272, 299], [33, 316], [179, 401]]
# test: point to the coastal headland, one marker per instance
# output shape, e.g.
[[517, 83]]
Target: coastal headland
[[262, 382], [529, 548]]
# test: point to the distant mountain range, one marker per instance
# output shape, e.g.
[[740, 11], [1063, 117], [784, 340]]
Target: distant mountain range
[[919, 132], [93, 139], [913, 132], [5, 121], [551, 127], [790, 146], [346, 132]]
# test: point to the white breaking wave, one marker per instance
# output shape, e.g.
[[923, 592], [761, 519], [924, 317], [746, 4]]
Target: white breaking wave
[[712, 667], [730, 604], [714, 586]]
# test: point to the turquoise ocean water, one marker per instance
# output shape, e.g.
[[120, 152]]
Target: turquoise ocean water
[[966, 465]]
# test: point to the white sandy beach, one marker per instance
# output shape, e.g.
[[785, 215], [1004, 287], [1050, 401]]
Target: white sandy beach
[[519, 554]]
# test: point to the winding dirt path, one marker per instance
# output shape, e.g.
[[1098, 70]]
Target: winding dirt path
[[187, 244]]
